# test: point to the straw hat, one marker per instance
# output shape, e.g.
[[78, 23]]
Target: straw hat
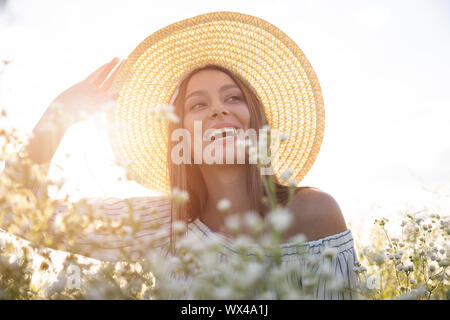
[[265, 58]]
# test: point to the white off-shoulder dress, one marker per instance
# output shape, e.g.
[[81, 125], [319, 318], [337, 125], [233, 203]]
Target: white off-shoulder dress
[[150, 210]]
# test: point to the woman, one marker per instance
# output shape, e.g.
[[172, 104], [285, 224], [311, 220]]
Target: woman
[[216, 97], [316, 213]]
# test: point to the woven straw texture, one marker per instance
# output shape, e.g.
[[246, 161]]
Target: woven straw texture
[[265, 58]]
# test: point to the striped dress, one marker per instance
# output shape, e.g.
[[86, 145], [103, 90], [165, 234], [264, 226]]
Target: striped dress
[[151, 210]]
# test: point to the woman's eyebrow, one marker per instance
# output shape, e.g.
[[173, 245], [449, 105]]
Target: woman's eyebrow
[[223, 88]]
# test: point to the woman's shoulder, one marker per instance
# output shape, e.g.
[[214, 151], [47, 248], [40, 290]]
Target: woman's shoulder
[[316, 214]]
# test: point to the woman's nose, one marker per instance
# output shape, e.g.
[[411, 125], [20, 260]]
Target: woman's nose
[[218, 110]]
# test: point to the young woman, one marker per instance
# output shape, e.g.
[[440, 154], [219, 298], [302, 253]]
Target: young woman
[[210, 94], [316, 213]]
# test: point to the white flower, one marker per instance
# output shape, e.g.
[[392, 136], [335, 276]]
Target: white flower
[[164, 112], [298, 239], [284, 137], [212, 244], [188, 241], [224, 205], [208, 260], [242, 243], [378, 257], [265, 240], [409, 267], [267, 295], [223, 293], [233, 223], [280, 219], [263, 157], [291, 294], [161, 233], [95, 293], [335, 285], [253, 273], [57, 286], [127, 230], [179, 196], [329, 252], [418, 292], [178, 226], [444, 263], [292, 183], [286, 174], [253, 221], [325, 269], [172, 117]]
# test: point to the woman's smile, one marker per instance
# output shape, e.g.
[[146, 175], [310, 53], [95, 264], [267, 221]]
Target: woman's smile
[[224, 140]]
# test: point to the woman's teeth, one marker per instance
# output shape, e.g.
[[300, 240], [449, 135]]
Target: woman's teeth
[[222, 133]]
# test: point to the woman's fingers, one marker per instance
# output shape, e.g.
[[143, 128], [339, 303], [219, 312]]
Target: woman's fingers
[[94, 74], [108, 83], [103, 73]]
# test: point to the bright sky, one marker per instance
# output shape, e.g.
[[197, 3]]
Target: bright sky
[[383, 67]]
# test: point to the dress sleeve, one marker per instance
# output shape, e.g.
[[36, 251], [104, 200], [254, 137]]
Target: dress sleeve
[[151, 213], [337, 257]]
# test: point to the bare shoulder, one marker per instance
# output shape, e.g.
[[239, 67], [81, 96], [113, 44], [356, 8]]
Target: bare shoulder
[[316, 214]]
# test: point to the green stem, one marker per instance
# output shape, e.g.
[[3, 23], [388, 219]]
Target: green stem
[[395, 267], [268, 192]]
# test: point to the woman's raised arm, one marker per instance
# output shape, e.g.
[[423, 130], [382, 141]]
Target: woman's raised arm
[[75, 104]]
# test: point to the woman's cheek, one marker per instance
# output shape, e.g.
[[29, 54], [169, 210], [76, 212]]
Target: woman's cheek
[[245, 116]]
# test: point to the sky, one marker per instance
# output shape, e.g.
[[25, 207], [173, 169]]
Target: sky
[[383, 68]]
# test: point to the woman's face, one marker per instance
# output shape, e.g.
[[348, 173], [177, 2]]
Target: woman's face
[[214, 99]]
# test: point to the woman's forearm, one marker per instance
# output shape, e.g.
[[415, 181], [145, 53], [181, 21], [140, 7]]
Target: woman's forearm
[[47, 135]]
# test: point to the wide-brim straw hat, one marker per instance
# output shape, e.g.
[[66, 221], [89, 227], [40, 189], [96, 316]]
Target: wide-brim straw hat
[[260, 54]]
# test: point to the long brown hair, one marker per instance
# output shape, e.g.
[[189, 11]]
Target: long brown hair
[[188, 176]]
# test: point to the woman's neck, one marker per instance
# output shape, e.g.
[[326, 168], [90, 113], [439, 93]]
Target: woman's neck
[[224, 182]]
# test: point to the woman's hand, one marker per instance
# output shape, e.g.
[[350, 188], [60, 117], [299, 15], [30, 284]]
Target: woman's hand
[[77, 103], [89, 96]]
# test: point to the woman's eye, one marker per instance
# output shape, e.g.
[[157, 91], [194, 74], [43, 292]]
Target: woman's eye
[[195, 105], [237, 97]]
